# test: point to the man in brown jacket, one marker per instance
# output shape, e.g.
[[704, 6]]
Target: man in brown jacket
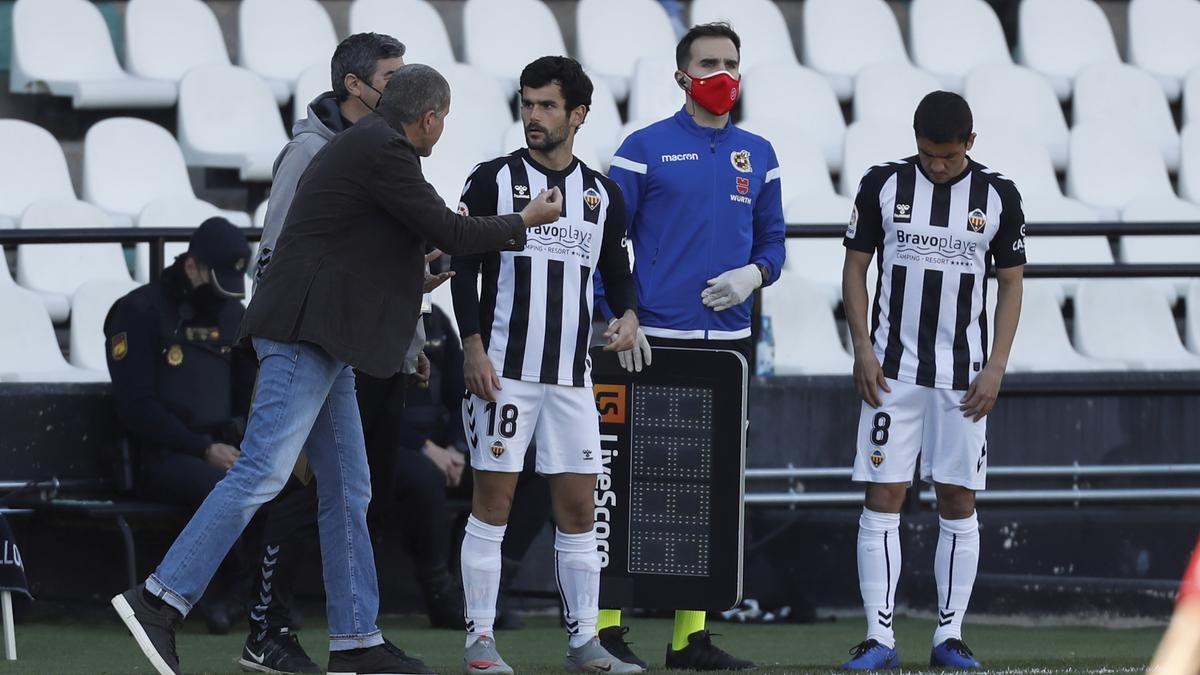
[[342, 292]]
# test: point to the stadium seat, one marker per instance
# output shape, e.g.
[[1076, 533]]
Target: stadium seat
[[447, 172], [1114, 93], [416, 23], [841, 37], [182, 212], [28, 346], [653, 93], [603, 124], [1059, 37], [891, 91], [1192, 321], [313, 82], [54, 271], [1009, 151], [1041, 343], [479, 114], [817, 260], [89, 308], [1111, 166], [62, 47], [1182, 248], [645, 32], [802, 167], [166, 38], [806, 336], [443, 299], [759, 24], [228, 120], [873, 142], [930, 21], [32, 167], [1129, 320], [1189, 163], [1191, 97], [278, 39], [1021, 98], [129, 162], [791, 92], [818, 209], [584, 151], [1162, 40], [489, 27]]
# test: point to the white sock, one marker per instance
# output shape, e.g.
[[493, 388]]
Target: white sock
[[577, 569], [878, 572], [481, 575], [954, 565]]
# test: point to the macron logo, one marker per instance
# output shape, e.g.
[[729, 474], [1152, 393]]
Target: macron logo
[[685, 157]]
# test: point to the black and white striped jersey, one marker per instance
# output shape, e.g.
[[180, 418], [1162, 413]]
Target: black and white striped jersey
[[936, 243], [533, 310]]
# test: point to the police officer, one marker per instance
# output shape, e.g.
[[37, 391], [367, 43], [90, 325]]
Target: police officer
[[181, 392]]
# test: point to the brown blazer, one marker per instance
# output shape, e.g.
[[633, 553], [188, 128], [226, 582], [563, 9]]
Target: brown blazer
[[348, 269]]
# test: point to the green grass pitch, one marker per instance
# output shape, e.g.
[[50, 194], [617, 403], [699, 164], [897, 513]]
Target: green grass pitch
[[103, 646]]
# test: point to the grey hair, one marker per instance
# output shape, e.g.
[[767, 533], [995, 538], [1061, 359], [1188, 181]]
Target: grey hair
[[414, 90]]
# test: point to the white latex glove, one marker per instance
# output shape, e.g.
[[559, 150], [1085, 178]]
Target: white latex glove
[[731, 288], [633, 360]]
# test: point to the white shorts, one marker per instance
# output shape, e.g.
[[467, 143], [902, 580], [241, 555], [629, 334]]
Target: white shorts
[[563, 420], [920, 421]]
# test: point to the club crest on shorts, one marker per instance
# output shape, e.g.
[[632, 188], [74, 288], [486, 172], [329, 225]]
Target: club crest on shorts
[[497, 448], [976, 220], [877, 457], [592, 198], [740, 160]]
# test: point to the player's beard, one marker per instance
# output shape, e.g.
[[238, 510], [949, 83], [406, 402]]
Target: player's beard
[[551, 138]]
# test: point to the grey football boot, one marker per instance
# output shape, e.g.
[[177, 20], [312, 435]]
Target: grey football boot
[[593, 658], [481, 658]]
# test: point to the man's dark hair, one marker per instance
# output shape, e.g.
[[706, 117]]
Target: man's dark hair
[[943, 117], [414, 90], [360, 54], [683, 51], [566, 73]]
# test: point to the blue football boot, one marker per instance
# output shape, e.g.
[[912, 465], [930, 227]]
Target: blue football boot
[[870, 655], [952, 653]]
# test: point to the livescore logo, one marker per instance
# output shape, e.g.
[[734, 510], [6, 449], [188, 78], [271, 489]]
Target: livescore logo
[[612, 405], [611, 402]]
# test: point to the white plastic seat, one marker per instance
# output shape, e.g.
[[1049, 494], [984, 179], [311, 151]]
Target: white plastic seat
[[166, 38], [416, 23], [313, 82], [1191, 329], [1114, 93], [32, 167], [1058, 38], [89, 308], [930, 21], [62, 47], [1041, 344], [1191, 97], [1183, 248], [1129, 320], [603, 123], [891, 91], [1026, 162], [759, 24], [1162, 40], [803, 172], [1024, 99], [791, 92], [489, 27], [1189, 163], [28, 346], [818, 260], [182, 212], [807, 341], [841, 37], [644, 30], [479, 113], [1111, 166], [873, 142], [447, 171], [444, 300], [278, 39], [653, 93], [54, 271], [228, 119], [818, 209]]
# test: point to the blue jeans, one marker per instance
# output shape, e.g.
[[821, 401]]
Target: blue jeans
[[304, 399]]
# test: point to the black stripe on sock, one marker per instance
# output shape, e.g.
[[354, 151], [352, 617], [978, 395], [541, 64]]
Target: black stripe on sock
[[887, 560], [950, 581]]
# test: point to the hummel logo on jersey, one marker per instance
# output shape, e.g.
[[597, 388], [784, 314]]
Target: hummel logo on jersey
[[982, 456], [903, 213], [520, 191], [682, 157]]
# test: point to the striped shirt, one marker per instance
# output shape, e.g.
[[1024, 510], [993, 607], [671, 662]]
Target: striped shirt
[[533, 310], [936, 243]]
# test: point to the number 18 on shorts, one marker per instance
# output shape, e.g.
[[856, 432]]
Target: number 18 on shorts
[[562, 419]]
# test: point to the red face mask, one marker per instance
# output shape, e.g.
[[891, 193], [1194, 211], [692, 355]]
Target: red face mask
[[715, 93]]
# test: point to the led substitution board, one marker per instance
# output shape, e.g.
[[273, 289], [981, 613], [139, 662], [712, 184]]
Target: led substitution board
[[669, 502]]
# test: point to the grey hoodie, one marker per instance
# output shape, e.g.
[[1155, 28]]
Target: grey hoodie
[[309, 135]]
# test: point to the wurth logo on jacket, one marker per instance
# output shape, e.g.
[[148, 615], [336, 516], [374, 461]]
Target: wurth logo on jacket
[[699, 202]]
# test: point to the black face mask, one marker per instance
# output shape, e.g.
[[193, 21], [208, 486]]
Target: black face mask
[[368, 86], [206, 299]]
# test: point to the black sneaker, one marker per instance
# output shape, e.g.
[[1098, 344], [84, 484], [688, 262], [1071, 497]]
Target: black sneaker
[[152, 627], [279, 653], [384, 658], [701, 654], [444, 603], [613, 640]]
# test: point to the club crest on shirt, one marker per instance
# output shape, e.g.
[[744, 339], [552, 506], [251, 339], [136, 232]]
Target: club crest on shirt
[[852, 228], [976, 220], [497, 448], [902, 214], [741, 160], [743, 185], [877, 457], [592, 198]]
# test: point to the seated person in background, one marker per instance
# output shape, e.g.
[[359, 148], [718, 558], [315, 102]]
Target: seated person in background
[[181, 392]]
